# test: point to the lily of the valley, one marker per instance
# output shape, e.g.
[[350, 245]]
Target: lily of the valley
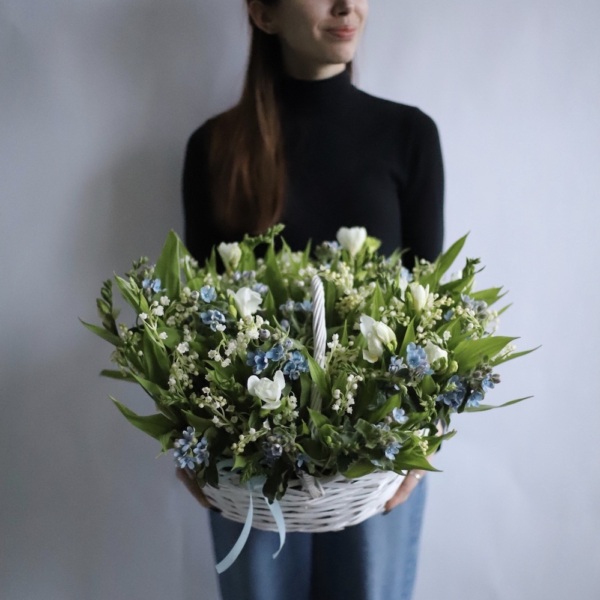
[[378, 335], [230, 253], [269, 391], [352, 239], [246, 301]]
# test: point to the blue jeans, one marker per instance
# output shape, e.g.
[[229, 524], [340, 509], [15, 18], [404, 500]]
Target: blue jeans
[[375, 560]]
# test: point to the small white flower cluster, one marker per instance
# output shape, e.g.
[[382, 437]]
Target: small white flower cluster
[[181, 310], [394, 313], [479, 321], [354, 300], [219, 406], [248, 330], [344, 400], [431, 315], [338, 353], [184, 366], [307, 272], [249, 436], [342, 278], [288, 412]]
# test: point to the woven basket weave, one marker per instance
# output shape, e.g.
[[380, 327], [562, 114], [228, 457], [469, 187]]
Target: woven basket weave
[[345, 502], [309, 504]]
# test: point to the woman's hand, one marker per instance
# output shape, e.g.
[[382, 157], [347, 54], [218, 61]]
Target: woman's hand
[[191, 484], [410, 482]]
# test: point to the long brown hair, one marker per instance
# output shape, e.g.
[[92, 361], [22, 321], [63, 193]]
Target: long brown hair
[[246, 158]]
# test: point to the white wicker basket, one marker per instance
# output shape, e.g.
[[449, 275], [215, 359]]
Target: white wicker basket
[[309, 504], [344, 502]]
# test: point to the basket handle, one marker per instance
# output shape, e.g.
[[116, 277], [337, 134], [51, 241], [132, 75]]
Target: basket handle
[[319, 333]]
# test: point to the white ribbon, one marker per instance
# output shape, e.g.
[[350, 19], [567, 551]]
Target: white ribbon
[[241, 541], [277, 514]]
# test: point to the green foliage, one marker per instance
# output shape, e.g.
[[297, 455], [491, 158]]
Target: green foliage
[[230, 354], [154, 425]]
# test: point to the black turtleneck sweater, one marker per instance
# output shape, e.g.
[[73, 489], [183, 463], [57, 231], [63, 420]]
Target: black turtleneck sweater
[[353, 160]]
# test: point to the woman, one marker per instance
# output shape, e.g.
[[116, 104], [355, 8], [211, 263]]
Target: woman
[[307, 148]]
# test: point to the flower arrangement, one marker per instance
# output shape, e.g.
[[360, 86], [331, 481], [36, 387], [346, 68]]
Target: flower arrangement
[[227, 355]]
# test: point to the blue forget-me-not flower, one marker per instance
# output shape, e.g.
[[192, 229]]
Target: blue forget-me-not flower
[[258, 361], [396, 363], [417, 360], [208, 293], [454, 398], [151, 285], [275, 353], [399, 415], [212, 318], [474, 399], [189, 451], [392, 449], [295, 365]]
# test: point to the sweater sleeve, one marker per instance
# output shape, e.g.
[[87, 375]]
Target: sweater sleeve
[[422, 205], [200, 230]]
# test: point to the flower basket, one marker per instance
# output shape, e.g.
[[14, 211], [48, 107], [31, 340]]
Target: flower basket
[[329, 504], [310, 504], [314, 380]]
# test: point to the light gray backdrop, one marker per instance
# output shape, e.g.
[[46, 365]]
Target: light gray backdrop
[[97, 99]]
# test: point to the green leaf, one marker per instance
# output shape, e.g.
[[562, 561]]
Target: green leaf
[[445, 260], [305, 389], [377, 301], [152, 389], [269, 305], [409, 460], [274, 277], [200, 424], [470, 353], [319, 419], [168, 266], [490, 296], [154, 425], [317, 451], [359, 468], [319, 376], [111, 338], [508, 357], [166, 441], [504, 309], [330, 298], [484, 407], [384, 410], [428, 385], [131, 295], [155, 358], [409, 337], [240, 462], [113, 374]]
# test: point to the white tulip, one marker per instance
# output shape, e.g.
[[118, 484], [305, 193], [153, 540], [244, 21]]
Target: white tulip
[[230, 253], [269, 391], [352, 238], [420, 295], [246, 300], [378, 336], [437, 357]]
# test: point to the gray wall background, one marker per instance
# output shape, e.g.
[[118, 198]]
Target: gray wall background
[[97, 99]]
